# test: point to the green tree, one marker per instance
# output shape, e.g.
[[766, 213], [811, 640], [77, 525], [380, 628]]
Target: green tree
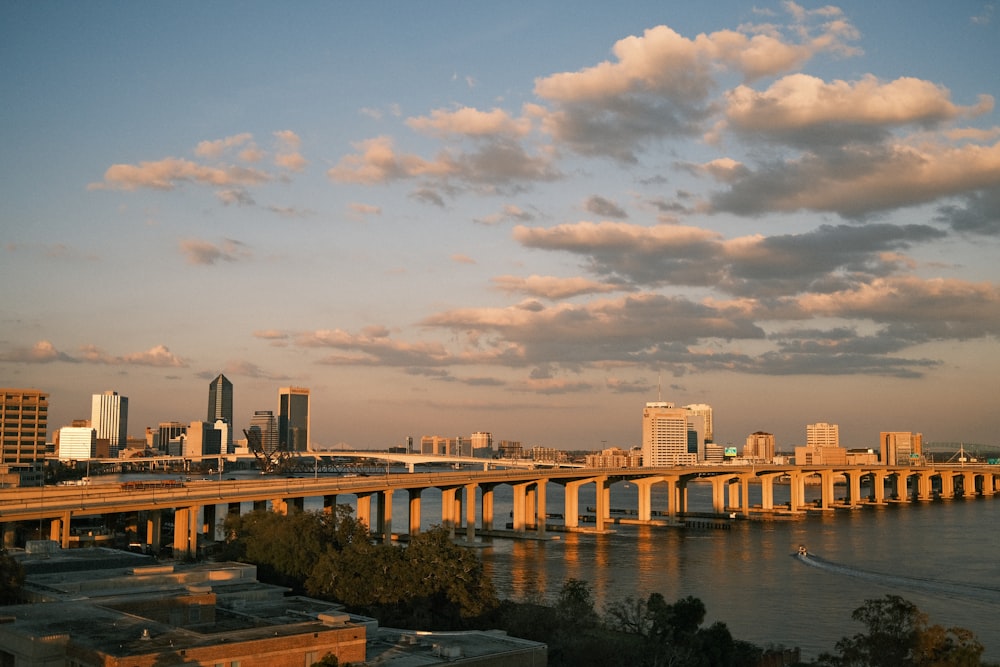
[[11, 578], [898, 635]]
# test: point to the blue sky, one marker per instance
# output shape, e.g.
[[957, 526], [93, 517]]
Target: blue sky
[[528, 218]]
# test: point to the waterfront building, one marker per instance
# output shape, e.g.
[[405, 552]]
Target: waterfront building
[[263, 432], [511, 449], [665, 436], [436, 445], [24, 415], [703, 410], [900, 447], [482, 444], [109, 417], [759, 447], [202, 439], [615, 457], [714, 453], [169, 436], [220, 406], [77, 443], [822, 434], [820, 455], [293, 419]]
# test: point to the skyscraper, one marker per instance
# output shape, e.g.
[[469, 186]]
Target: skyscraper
[[665, 435], [220, 400], [24, 417], [293, 419], [703, 410], [109, 417], [220, 406], [759, 447]]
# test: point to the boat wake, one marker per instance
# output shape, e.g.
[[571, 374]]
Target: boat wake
[[934, 586]]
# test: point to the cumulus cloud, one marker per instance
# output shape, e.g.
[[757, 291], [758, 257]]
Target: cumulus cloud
[[509, 213], [159, 356], [169, 173], [42, 352], [471, 122], [215, 149], [206, 253]]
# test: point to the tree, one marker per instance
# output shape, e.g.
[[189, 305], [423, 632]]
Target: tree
[[898, 635]]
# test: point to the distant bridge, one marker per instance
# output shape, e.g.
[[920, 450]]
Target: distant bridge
[[151, 503]]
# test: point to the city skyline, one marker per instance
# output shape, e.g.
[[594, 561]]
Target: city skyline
[[508, 219]]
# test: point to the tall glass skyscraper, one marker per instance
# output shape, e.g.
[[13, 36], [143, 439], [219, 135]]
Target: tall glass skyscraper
[[109, 417], [220, 400], [293, 418]]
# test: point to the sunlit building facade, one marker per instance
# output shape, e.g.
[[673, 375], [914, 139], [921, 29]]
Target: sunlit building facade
[[293, 419], [220, 407], [759, 447], [24, 415], [705, 411], [665, 436], [900, 447], [822, 434], [77, 443], [109, 417]]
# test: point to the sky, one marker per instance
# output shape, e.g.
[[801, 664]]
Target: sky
[[524, 218]]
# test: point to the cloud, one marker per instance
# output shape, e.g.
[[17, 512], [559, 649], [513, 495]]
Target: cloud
[[859, 180], [238, 196], [169, 173], [551, 287], [460, 258], [372, 347], [659, 84], [251, 370], [287, 155], [359, 210], [215, 149], [604, 208], [206, 253], [979, 213], [805, 110], [509, 213], [159, 356], [42, 352], [470, 122]]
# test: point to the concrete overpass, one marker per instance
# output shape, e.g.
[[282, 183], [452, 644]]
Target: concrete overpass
[[460, 490]]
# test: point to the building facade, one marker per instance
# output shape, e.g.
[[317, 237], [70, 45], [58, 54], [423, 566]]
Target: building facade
[[759, 447], [24, 415], [900, 447], [293, 419], [203, 439], [77, 443], [703, 410], [822, 434], [263, 432], [220, 406], [665, 436], [109, 417]]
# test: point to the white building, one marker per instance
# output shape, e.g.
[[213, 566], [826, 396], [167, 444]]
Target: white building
[[822, 434], [665, 436], [703, 410], [109, 417], [77, 443]]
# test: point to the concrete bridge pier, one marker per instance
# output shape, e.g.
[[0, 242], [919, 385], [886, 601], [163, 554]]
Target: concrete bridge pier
[[487, 507], [720, 483], [797, 491], [947, 485], [925, 490], [541, 514], [827, 494], [470, 512], [364, 511], [878, 486], [186, 531], [59, 529], [154, 531], [853, 486], [383, 519], [520, 508], [645, 490], [767, 490], [329, 503], [450, 510], [414, 507]]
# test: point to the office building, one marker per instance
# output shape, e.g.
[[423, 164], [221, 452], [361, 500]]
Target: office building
[[202, 439], [262, 435], [24, 415], [293, 419], [220, 406], [703, 410], [169, 438], [615, 457], [482, 444], [665, 436], [825, 455], [109, 417], [822, 434], [77, 443], [759, 447], [900, 447]]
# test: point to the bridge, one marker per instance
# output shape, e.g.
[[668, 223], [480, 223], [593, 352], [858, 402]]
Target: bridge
[[193, 505]]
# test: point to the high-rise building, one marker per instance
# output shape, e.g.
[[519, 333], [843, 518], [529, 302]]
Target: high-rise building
[[220, 400], [665, 436], [24, 415], [77, 443], [109, 417], [293, 419], [203, 439], [899, 447], [822, 434], [759, 447], [703, 410], [263, 432]]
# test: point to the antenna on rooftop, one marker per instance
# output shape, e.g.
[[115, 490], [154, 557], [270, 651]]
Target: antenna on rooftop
[[659, 393]]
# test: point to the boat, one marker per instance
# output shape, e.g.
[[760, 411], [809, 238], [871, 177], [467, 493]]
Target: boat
[[802, 550]]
